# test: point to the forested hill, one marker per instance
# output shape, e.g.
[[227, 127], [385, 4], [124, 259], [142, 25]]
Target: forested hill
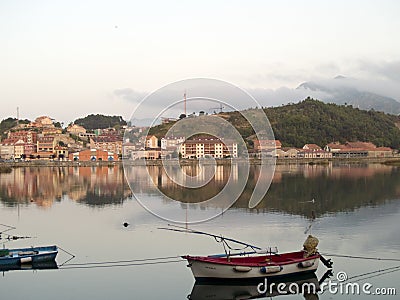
[[312, 121], [9, 123], [100, 121]]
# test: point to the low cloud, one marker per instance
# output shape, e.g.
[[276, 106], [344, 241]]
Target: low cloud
[[389, 70], [130, 95], [284, 95], [382, 79]]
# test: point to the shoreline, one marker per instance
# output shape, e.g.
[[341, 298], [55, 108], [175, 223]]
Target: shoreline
[[253, 161]]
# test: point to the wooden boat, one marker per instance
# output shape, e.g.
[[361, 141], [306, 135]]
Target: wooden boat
[[252, 266], [32, 255], [258, 263]]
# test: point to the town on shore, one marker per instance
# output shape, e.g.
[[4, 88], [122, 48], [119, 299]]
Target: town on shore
[[45, 139]]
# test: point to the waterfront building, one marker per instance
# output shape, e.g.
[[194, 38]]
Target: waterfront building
[[171, 142], [151, 142], [93, 155], [358, 149], [111, 143], [208, 147]]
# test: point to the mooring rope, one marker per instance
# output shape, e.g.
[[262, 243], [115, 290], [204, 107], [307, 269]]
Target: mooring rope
[[362, 257], [371, 274], [84, 266], [376, 273], [122, 263]]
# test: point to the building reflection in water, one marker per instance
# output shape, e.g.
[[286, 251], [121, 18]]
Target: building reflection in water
[[335, 188], [97, 185]]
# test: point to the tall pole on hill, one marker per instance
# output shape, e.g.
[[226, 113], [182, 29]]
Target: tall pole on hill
[[184, 99]]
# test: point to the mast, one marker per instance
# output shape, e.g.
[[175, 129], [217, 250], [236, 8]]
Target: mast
[[184, 101]]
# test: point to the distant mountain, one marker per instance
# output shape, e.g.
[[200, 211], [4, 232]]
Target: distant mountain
[[347, 91]]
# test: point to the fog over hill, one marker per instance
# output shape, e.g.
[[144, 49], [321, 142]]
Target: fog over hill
[[366, 94], [343, 90]]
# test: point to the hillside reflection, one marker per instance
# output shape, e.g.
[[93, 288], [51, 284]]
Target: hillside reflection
[[334, 188]]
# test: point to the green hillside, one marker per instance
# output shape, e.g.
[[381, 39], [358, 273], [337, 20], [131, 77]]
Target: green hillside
[[98, 121], [312, 121], [9, 123]]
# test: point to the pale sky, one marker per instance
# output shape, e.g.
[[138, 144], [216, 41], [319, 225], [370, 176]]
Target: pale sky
[[67, 59]]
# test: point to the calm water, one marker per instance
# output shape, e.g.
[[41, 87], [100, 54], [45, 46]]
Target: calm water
[[82, 209]]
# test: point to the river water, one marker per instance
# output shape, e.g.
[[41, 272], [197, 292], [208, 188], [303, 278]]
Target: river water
[[82, 210]]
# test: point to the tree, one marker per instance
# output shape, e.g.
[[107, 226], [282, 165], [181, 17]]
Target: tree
[[98, 121]]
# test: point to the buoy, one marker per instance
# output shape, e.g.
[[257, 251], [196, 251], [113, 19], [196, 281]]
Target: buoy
[[242, 268], [270, 269], [25, 260], [306, 264]]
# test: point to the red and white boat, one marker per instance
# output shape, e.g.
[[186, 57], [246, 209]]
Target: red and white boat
[[257, 263], [252, 266]]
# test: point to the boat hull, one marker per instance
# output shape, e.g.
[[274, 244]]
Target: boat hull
[[31, 255], [205, 268]]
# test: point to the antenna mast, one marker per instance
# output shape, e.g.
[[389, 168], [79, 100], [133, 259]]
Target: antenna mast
[[184, 99]]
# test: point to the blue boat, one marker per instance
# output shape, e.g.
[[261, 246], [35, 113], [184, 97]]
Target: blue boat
[[32, 255]]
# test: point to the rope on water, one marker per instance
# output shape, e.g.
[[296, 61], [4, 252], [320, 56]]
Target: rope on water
[[122, 263], [362, 257], [91, 266], [371, 274], [382, 272]]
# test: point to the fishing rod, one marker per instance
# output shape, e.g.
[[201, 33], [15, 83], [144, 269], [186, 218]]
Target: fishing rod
[[218, 238]]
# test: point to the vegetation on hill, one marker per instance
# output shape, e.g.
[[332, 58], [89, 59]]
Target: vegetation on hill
[[98, 121], [9, 123], [314, 122]]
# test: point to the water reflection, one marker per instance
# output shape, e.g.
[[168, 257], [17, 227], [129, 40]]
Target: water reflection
[[94, 186], [335, 188], [306, 285], [49, 265]]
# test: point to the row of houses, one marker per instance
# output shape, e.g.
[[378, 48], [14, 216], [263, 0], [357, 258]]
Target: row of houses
[[30, 145], [174, 147], [213, 147], [331, 150], [41, 139]]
